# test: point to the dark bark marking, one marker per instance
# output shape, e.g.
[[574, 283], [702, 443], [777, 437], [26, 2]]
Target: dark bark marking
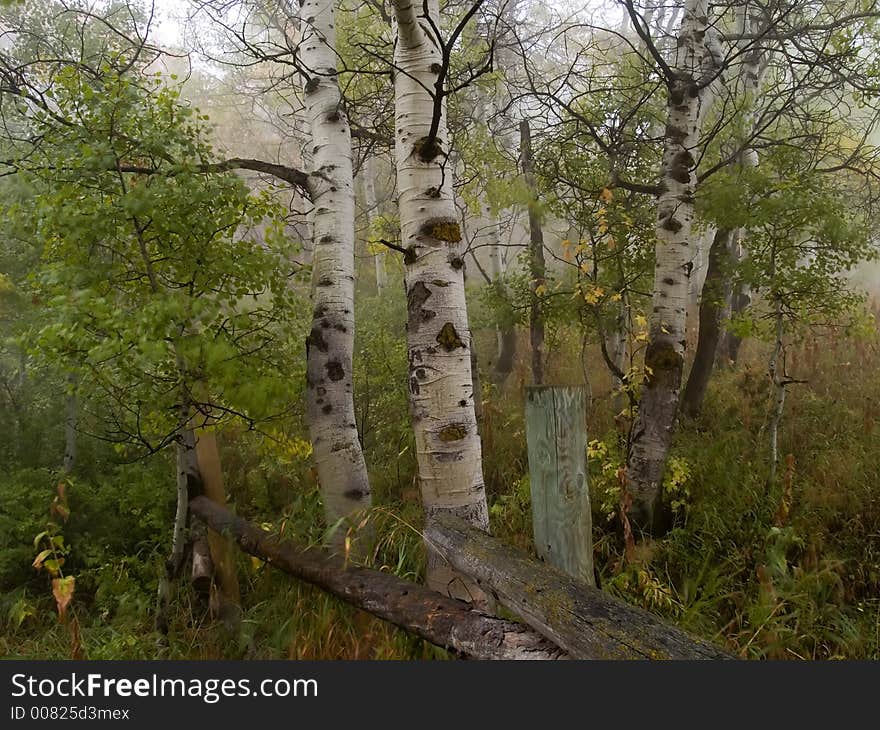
[[335, 370], [441, 229], [316, 340], [448, 338], [454, 432], [416, 297]]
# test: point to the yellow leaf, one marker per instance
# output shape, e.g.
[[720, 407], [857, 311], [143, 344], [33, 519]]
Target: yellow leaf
[[38, 561], [62, 589]]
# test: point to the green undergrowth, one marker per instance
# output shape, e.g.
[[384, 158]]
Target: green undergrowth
[[784, 570]]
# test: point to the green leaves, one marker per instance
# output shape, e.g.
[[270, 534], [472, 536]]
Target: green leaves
[[153, 282]]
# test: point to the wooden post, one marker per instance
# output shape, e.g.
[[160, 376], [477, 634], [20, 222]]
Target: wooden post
[[556, 432]]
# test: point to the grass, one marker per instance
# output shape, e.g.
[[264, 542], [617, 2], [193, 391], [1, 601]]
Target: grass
[[789, 570]]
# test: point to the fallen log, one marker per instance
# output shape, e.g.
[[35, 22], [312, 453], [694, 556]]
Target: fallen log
[[443, 621], [583, 620]]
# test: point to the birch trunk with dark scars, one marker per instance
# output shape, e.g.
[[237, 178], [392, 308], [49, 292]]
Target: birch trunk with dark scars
[[339, 460], [537, 267], [439, 341], [689, 95], [716, 291]]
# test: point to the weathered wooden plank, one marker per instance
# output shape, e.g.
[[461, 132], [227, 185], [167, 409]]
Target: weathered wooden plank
[[586, 622], [443, 621], [557, 439]]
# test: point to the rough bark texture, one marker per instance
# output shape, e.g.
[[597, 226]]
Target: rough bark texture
[[716, 291], [339, 460], [438, 336], [537, 267], [586, 622], [443, 621], [688, 98]]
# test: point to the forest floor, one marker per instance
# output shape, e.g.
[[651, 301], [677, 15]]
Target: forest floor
[[783, 570]]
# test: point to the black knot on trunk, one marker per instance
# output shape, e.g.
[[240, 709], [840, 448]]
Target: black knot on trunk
[[428, 148]]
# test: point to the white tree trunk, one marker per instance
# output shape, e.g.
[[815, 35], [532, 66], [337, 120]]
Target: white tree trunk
[[339, 459], [438, 337], [674, 253]]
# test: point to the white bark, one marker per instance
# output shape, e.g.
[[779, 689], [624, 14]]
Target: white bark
[[438, 337], [339, 459], [689, 97]]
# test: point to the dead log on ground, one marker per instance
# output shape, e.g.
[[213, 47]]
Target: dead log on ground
[[585, 621], [443, 621]]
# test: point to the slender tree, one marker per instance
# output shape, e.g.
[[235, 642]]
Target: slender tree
[[339, 459], [690, 92]]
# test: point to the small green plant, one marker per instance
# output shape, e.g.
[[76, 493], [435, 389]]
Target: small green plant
[[51, 556], [676, 484], [605, 460]]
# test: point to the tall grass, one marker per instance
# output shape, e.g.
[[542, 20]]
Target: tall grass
[[785, 570]]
